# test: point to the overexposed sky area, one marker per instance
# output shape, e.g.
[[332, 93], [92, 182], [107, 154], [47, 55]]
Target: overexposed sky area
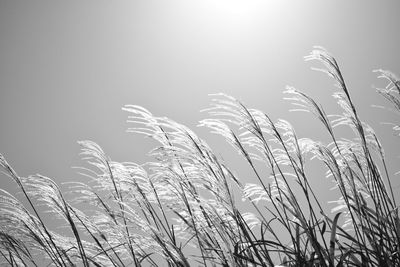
[[67, 68]]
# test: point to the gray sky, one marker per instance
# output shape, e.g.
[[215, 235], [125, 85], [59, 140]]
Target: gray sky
[[67, 68]]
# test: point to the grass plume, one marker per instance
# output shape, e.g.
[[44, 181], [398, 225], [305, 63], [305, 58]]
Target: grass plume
[[184, 208]]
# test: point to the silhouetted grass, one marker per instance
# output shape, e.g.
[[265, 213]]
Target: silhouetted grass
[[180, 209]]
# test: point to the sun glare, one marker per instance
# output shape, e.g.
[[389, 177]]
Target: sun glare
[[243, 14]]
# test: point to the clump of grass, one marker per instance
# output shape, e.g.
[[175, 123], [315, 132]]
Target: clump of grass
[[181, 209]]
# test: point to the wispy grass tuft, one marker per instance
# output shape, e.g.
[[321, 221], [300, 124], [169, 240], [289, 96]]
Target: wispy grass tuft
[[185, 207]]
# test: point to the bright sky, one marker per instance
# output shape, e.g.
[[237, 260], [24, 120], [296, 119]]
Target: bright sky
[[67, 67]]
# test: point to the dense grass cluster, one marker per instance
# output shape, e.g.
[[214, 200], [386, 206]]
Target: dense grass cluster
[[185, 207]]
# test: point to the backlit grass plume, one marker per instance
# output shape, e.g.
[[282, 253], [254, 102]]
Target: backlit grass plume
[[188, 208]]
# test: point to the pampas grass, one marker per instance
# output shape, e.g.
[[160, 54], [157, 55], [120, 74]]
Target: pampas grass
[[185, 209]]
